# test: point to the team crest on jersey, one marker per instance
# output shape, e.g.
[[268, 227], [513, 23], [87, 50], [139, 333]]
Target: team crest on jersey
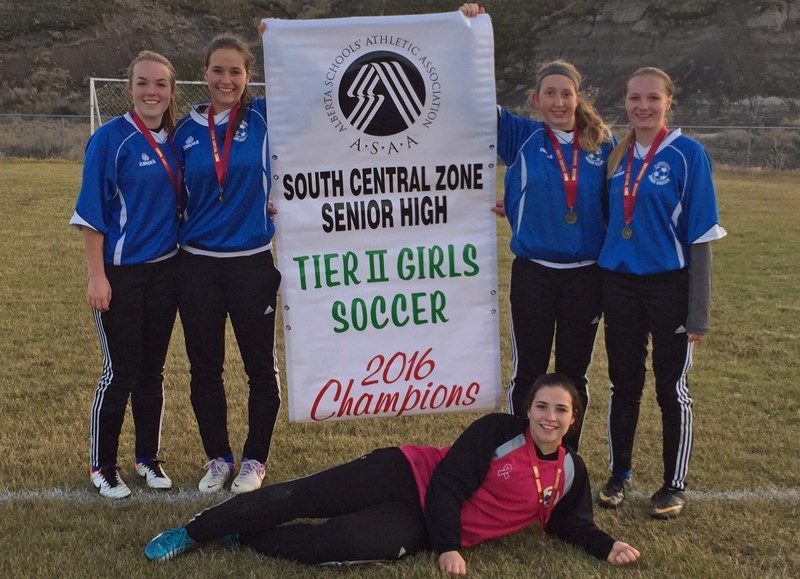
[[595, 159], [381, 93], [660, 174], [190, 142], [241, 133], [548, 495], [146, 161]]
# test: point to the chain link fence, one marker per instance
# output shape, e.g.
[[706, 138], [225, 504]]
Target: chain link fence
[[110, 97], [765, 147], [64, 137]]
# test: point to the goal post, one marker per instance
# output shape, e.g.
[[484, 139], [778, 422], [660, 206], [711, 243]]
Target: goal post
[[109, 97]]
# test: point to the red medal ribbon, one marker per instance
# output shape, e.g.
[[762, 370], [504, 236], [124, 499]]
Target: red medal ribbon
[[221, 163], [628, 194], [570, 178], [174, 179], [544, 510]]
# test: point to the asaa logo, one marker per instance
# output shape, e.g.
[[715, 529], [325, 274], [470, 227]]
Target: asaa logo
[[381, 94]]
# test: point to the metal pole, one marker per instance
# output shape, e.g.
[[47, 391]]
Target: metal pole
[[749, 139], [92, 98]]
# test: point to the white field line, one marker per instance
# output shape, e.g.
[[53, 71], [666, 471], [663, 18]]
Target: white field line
[[185, 495]]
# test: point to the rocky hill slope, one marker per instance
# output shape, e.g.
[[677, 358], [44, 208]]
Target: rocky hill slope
[[734, 61]]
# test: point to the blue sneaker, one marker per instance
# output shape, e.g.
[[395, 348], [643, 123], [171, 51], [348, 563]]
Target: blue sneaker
[[170, 544], [232, 543]]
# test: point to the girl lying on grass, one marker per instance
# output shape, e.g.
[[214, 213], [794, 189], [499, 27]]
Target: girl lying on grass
[[503, 474]]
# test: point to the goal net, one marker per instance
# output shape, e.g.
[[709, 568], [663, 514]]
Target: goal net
[[110, 97]]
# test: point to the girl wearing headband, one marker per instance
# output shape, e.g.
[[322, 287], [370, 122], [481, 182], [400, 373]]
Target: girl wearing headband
[[554, 190]]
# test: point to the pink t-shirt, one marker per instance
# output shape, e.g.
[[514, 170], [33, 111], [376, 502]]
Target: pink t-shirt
[[507, 499]]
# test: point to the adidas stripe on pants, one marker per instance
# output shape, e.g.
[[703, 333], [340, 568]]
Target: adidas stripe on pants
[[635, 308]]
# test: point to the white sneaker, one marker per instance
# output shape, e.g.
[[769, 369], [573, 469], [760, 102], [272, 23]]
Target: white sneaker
[[250, 477], [153, 473], [218, 471], [110, 484]]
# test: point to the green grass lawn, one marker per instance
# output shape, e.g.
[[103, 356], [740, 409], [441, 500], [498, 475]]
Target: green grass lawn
[[742, 519]]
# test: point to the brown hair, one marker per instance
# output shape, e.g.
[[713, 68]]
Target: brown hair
[[591, 126], [171, 114], [615, 158], [557, 380], [231, 41]]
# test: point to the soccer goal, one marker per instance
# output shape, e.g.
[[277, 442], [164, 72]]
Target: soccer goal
[[109, 97]]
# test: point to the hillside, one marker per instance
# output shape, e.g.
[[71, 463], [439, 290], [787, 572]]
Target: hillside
[[734, 62]]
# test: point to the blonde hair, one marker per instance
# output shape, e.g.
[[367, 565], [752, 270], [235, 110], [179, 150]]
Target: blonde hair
[[592, 129], [615, 158], [171, 114]]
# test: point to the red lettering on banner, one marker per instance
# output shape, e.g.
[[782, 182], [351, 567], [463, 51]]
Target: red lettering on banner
[[392, 371], [430, 397]]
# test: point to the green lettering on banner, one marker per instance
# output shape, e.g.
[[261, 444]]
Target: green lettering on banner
[[377, 265], [325, 268], [301, 262], [418, 308], [470, 253], [436, 262]]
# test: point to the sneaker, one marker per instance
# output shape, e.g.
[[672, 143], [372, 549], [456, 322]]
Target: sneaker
[[154, 474], [613, 493], [170, 544], [218, 471], [110, 484], [667, 502], [250, 477], [232, 542]]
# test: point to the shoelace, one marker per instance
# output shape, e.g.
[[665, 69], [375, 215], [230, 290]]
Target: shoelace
[[216, 467], [110, 474], [616, 484], [155, 467], [250, 466]]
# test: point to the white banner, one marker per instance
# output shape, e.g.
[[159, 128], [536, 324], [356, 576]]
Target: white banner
[[382, 138]]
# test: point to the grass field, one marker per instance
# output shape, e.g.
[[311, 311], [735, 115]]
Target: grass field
[[742, 520]]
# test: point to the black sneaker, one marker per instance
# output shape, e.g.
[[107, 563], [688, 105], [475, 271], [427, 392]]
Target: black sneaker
[[667, 502], [153, 473], [613, 493]]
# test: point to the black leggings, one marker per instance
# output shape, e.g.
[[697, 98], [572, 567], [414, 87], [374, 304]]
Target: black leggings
[[371, 506]]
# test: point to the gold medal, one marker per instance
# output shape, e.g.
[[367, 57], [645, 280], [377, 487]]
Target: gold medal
[[627, 232], [570, 217]]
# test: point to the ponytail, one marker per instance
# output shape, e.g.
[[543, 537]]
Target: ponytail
[[615, 158], [593, 130]]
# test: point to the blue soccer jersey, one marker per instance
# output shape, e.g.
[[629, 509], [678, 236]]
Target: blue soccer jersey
[[675, 207], [535, 202], [236, 218], [127, 194]]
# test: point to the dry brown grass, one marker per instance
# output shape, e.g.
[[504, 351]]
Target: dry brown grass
[[747, 418]]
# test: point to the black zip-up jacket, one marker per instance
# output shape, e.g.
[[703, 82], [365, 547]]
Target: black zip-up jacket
[[464, 469]]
